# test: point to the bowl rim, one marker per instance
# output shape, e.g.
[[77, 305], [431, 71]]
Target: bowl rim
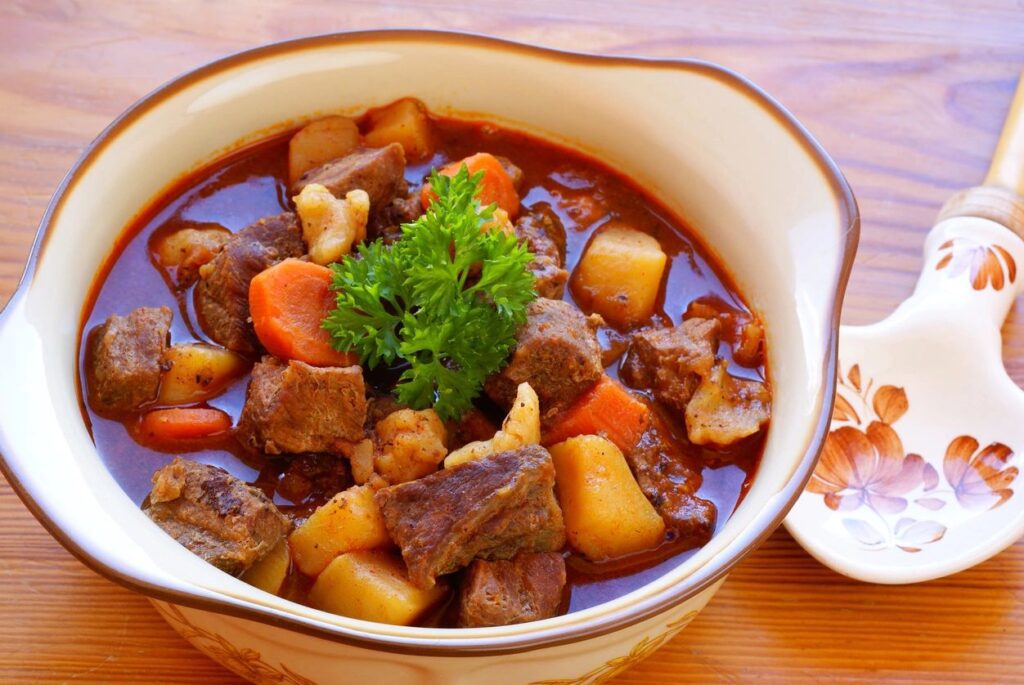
[[701, 579]]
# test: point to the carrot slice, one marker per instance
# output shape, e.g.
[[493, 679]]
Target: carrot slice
[[184, 423], [606, 408], [496, 185], [288, 302]]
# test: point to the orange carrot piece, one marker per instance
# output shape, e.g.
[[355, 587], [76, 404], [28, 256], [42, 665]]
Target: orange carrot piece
[[496, 185], [607, 409], [289, 302], [186, 423]]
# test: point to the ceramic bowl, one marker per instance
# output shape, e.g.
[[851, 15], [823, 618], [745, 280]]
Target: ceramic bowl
[[713, 147]]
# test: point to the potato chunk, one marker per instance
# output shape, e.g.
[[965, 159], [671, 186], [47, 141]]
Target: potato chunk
[[372, 586], [405, 122], [331, 226], [620, 273], [410, 444], [181, 253], [520, 428], [197, 372], [606, 513], [268, 573], [318, 142], [350, 521]]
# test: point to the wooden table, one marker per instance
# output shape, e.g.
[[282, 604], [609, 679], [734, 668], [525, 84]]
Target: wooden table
[[907, 96]]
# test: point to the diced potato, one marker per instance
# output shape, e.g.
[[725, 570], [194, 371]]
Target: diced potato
[[319, 142], [331, 226], [268, 573], [620, 273], [197, 372], [521, 427], [195, 245], [405, 122], [606, 514], [361, 461], [410, 445], [350, 521], [184, 251], [372, 586]]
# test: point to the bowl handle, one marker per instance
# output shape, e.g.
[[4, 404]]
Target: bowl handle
[[45, 451]]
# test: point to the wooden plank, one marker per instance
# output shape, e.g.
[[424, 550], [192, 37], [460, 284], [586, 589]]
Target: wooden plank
[[908, 96]]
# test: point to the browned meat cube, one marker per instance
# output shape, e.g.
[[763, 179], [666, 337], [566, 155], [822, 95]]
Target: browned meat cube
[[124, 362], [222, 295], [556, 353], [671, 485], [215, 515], [379, 171], [489, 508], [387, 222], [500, 593], [294, 407], [740, 328], [672, 361], [544, 235], [314, 478]]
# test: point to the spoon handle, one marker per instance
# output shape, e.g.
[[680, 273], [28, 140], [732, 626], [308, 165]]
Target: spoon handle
[[1007, 167], [973, 268], [1000, 198]]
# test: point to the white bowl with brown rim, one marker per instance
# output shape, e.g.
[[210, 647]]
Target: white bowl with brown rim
[[759, 192]]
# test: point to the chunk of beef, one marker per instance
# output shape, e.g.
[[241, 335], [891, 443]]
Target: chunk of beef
[[499, 593], [294, 407], [379, 171], [556, 352], [672, 361], [222, 294], [740, 328], [125, 357], [542, 231], [380, 406], [725, 409], [472, 426], [671, 485], [314, 478], [489, 508], [387, 222], [215, 515]]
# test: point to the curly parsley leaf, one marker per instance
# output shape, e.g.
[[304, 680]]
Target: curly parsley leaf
[[447, 298]]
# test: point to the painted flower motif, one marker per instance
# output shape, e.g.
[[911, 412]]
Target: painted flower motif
[[984, 261], [890, 403], [980, 478], [866, 467]]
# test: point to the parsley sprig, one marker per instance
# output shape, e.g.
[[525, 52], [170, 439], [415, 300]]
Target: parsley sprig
[[447, 298]]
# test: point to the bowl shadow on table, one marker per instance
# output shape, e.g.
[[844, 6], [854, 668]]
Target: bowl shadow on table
[[783, 616]]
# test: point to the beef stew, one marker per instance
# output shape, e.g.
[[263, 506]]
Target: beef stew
[[331, 462]]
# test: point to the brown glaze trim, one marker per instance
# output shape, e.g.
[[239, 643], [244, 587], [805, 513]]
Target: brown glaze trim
[[700, 580]]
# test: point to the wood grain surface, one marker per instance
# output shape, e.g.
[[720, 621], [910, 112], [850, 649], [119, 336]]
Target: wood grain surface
[[907, 96]]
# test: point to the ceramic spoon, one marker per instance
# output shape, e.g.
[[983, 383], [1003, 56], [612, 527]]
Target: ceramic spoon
[[920, 474]]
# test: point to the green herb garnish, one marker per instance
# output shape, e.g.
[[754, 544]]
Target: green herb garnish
[[447, 298]]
